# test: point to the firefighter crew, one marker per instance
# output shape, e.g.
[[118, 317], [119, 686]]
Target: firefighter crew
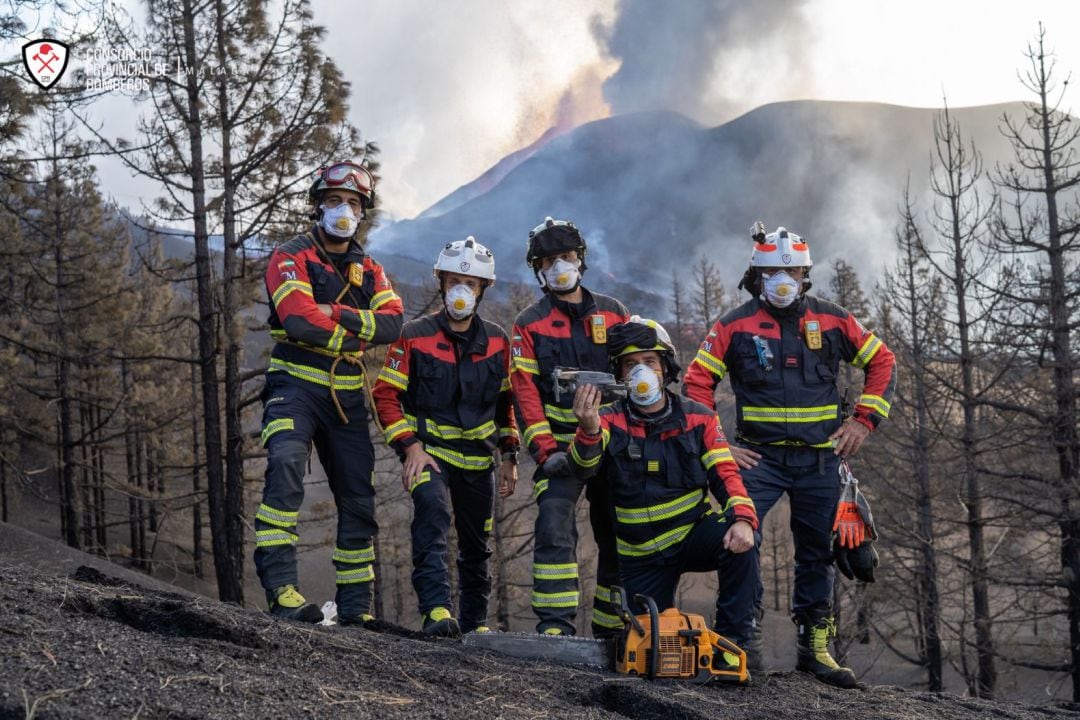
[[661, 455], [782, 351], [565, 328], [328, 302], [443, 397]]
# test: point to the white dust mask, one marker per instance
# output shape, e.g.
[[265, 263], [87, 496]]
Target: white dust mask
[[644, 385], [563, 276], [340, 221], [460, 302], [781, 289]]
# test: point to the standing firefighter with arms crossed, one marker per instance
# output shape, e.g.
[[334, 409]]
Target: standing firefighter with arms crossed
[[566, 328], [328, 302], [443, 397], [782, 350], [661, 455]]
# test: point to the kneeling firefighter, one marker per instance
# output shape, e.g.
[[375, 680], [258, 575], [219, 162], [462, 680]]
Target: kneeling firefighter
[[660, 455]]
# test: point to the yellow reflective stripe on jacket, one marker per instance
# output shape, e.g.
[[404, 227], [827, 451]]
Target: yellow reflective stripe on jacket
[[276, 426], [658, 543], [867, 351], [565, 438], [273, 516], [367, 324], [876, 403], [424, 477], [489, 523], [737, 500], [606, 620], [711, 363], [521, 364], [583, 462], [540, 428], [555, 571], [558, 414], [716, 455], [363, 555], [663, 511], [602, 594], [540, 487], [461, 460], [359, 575], [336, 339], [288, 287], [315, 375], [391, 376], [453, 432], [508, 432], [381, 298], [793, 415], [272, 538], [505, 385], [555, 600], [395, 430]]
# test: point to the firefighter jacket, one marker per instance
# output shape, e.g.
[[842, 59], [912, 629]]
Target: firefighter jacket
[[660, 472], [298, 279], [549, 334], [449, 391], [783, 367]]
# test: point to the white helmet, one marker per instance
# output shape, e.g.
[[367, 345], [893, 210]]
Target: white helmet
[[466, 257], [778, 249]]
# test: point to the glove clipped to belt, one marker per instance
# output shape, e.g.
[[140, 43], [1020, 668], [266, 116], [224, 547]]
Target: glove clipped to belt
[[853, 531]]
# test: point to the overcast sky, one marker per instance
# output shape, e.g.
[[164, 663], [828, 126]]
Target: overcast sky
[[448, 88]]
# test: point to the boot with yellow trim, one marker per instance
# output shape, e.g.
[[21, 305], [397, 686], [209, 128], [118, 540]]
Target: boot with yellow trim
[[814, 635], [440, 622], [287, 602], [361, 619]]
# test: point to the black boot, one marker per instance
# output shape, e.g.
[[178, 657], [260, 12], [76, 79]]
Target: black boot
[[814, 635], [755, 644], [287, 602]]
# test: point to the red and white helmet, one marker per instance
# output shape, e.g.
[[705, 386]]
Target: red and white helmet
[[466, 257], [778, 249]]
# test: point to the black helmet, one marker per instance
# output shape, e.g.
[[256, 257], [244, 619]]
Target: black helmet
[[856, 563], [552, 237], [639, 334]]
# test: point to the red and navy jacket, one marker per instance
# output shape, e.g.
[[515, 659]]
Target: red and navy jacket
[[660, 473], [298, 279], [548, 334], [792, 397], [448, 391]]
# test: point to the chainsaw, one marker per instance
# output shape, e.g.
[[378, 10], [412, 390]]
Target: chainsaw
[[668, 645]]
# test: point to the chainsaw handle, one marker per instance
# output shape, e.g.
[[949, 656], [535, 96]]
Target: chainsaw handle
[[654, 632]]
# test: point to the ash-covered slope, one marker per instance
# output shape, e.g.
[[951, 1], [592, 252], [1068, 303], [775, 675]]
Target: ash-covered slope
[[91, 646]]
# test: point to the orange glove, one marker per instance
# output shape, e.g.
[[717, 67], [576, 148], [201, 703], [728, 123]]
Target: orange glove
[[849, 525]]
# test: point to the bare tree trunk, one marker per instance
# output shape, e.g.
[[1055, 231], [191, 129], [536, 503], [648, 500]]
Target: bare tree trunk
[[229, 589], [234, 438], [196, 508]]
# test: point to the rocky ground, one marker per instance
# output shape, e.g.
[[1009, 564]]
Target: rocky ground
[[90, 644]]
